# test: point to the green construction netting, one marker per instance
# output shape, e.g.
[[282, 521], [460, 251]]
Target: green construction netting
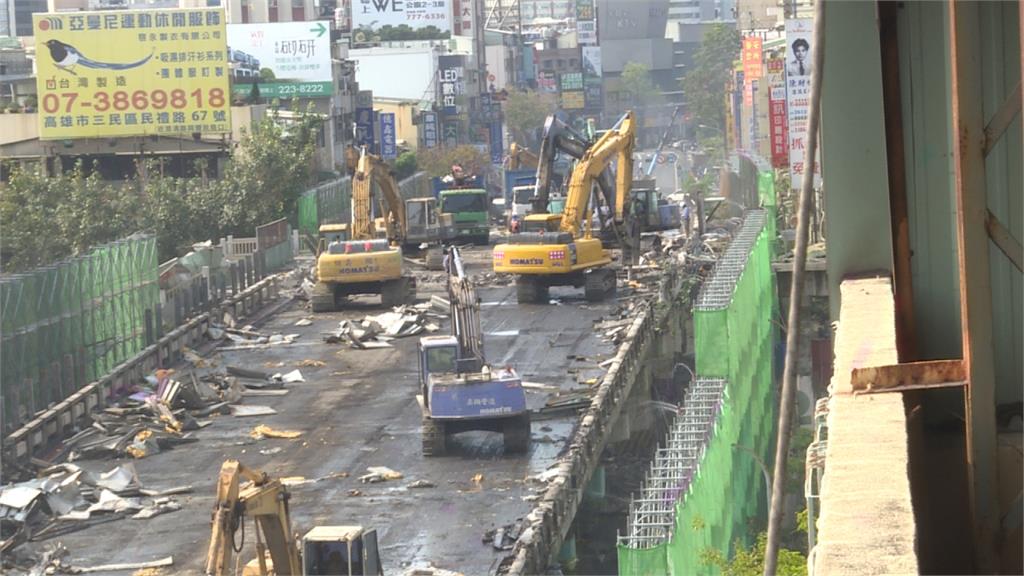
[[330, 203], [734, 343], [71, 323]]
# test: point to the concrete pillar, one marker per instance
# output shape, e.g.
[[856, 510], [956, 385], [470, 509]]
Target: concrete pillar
[[596, 488], [567, 554]]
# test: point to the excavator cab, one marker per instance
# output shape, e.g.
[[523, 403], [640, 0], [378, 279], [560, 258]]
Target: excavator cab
[[542, 223], [340, 550], [331, 233]]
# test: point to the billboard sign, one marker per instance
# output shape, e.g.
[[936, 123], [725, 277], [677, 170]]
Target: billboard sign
[[450, 133], [593, 93], [573, 100], [586, 23], [364, 119], [547, 82], [286, 59], [592, 61], [464, 18], [450, 83], [777, 113], [388, 147], [373, 14], [571, 81], [430, 129], [132, 73], [798, 94], [751, 57]]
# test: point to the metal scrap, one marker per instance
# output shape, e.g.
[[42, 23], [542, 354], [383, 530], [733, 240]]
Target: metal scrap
[[374, 331], [379, 474]]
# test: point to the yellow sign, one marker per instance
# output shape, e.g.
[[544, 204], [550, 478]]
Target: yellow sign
[[132, 73], [573, 100]]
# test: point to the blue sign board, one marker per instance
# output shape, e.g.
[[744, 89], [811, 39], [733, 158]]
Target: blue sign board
[[388, 149], [497, 143], [430, 129], [364, 127]]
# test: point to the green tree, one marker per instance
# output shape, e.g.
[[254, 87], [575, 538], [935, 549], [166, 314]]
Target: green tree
[[704, 85], [636, 79], [405, 165], [525, 112], [750, 561], [439, 161], [267, 75]]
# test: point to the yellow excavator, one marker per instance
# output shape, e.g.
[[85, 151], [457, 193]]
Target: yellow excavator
[[243, 492], [520, 157], [355, 259], [558, 249]]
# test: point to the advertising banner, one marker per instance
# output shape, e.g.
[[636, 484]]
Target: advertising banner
[[591, 61], [132, 73], [388, 147], [430, 134], [373, 14], [571, 81], [751, 57], [777, 113], [586, 23], [573, 100], [799, 57], [450, 133], [364, 119], [450, 83], [547, 82], [464, 18], [287, 59]]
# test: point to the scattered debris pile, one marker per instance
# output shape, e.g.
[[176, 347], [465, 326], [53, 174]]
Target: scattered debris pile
[[66, 498], [492, 279], [376, 331], [504, 537], [247, 338], [165, 411]]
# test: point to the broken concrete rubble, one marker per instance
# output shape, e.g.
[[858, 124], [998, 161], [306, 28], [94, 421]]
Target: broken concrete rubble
[[66, 496], [374, 331]]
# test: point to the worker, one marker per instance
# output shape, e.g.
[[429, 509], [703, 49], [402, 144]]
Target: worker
[[515, 224]]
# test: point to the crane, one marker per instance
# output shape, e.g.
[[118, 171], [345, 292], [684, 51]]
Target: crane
[[364, 263], [459, 391], [520, 157], [243, 492], [558, 251]]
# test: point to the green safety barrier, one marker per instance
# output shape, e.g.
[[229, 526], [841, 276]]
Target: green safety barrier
[[734, 341], [71, 323]]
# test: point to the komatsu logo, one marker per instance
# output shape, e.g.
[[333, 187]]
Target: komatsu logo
[[360, 270], [527, 261]]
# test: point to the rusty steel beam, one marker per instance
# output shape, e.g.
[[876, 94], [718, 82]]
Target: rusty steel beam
[[902, 274], [1004, 240], [1000, 121], [910, 376], [974, 277]]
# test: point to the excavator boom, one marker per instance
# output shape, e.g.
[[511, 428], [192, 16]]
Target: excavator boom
[[616, 144], [370, 169], [266, 501]]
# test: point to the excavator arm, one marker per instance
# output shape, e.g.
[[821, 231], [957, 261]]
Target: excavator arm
[[520, 157], [266, 501], [370, 169], [464, 310], [615, 144]]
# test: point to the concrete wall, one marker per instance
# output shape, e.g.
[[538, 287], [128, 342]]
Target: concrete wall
[[853, 147]]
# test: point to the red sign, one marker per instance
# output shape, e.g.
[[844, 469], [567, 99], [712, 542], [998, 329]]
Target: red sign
[[777, 118], [751, 57]]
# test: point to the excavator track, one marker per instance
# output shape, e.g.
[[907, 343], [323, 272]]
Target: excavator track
[[433, 435], [516, 434], [323, 299], [599, 284]]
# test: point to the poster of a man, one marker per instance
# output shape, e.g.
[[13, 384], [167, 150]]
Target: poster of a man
[[800, 63]]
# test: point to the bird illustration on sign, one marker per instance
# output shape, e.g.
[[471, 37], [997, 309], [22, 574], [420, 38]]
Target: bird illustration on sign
[[66, 57]]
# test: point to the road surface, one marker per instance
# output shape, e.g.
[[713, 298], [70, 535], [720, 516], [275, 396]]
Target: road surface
[[360, 410]]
